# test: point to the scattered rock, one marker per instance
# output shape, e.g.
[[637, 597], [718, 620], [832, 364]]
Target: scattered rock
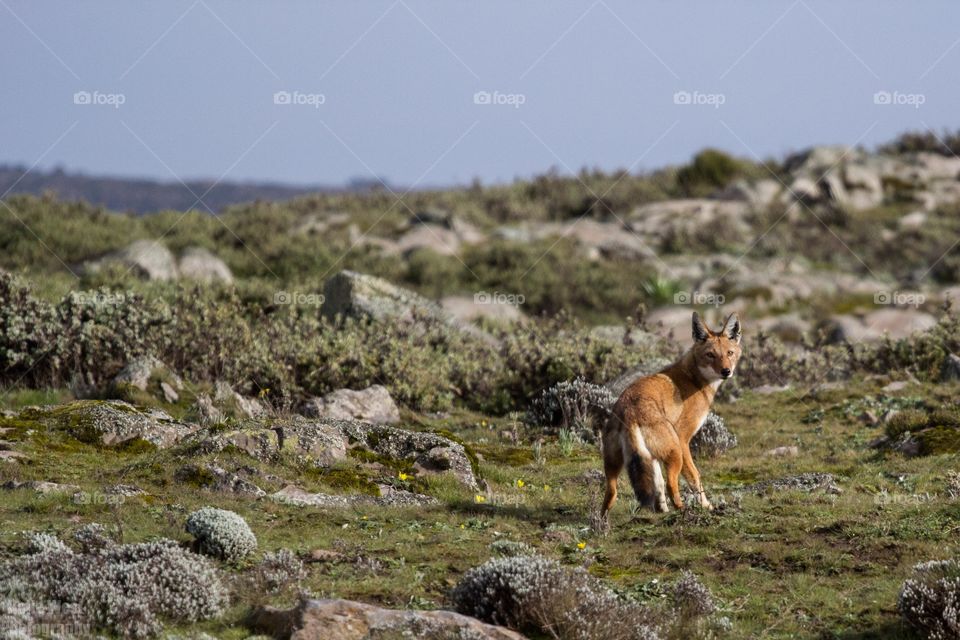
[[40, 486], [768, 389], [804, 482], [389, 496], [205, 411], [912, 221], [438, 239], [140, 372], [241, 406], [467, 309], [950, 370], [325, 556], [217, 479], [148, 259], [660, 223], [349, 620], [125, 490], [197, 263], [111, 422], [897, 385], [783, 452], [320, 443], [11, 456], [372, 404], [169, 393], [353, 294]]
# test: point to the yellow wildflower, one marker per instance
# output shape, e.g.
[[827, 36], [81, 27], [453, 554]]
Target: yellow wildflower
[[520, 484], [479, 498], [581, 545], [404, 476]]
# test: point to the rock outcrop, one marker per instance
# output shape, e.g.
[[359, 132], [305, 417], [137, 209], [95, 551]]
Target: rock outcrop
[[350, 620]]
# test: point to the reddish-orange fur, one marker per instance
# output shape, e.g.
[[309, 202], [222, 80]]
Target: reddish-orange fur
[[657, 416]]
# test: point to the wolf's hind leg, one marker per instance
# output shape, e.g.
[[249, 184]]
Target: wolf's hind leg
[[612, 466]]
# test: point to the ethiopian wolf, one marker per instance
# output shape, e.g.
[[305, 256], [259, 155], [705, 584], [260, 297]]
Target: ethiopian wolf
[[657, 416]]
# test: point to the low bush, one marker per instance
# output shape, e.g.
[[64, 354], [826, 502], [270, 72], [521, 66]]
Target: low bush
[[127, 590], [537, 595], [713, 438], [930, 600], [221, 534], [575, 406]]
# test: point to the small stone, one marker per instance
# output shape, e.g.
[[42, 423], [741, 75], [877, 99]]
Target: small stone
[[768, 389], [898, 385], [783, 452], [325, 555], [169, 393], [869, 418]]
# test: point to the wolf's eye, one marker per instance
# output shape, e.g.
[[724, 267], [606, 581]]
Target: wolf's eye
[[711, 355], [729, 353]]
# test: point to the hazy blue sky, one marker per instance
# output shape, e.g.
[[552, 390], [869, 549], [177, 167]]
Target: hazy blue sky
[[397, 81]]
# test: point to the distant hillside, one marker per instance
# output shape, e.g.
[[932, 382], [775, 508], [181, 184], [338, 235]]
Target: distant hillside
[[146, 196]]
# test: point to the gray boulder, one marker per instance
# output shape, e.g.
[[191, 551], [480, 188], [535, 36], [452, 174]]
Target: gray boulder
[[358, 295], [372, 404], [197, 263], [149, 259], [111, 422]]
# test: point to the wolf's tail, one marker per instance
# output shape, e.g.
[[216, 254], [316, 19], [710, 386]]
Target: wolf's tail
[[642, 478]]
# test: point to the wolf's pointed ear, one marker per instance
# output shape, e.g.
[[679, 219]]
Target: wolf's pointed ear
[[700, 331], [731, 328]]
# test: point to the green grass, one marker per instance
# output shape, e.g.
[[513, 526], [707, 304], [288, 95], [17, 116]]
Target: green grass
[[785, 564]]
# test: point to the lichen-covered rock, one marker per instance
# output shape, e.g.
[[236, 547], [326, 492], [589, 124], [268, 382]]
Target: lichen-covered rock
[[389, 497], [209, 476], [358, 295], [372, 404], [222, 534], [321, 443], [111, 422], [803, 482], [349, 620], [430, 452]]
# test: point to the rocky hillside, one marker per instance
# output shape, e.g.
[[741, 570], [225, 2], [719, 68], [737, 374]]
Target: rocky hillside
[[367, 416]]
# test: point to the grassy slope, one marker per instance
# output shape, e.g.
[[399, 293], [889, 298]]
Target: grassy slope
[[787, 564]]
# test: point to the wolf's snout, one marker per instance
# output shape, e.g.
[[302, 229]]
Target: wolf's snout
[[726, 373]]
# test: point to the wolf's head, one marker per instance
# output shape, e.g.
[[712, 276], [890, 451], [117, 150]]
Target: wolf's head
[[716, 354]]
